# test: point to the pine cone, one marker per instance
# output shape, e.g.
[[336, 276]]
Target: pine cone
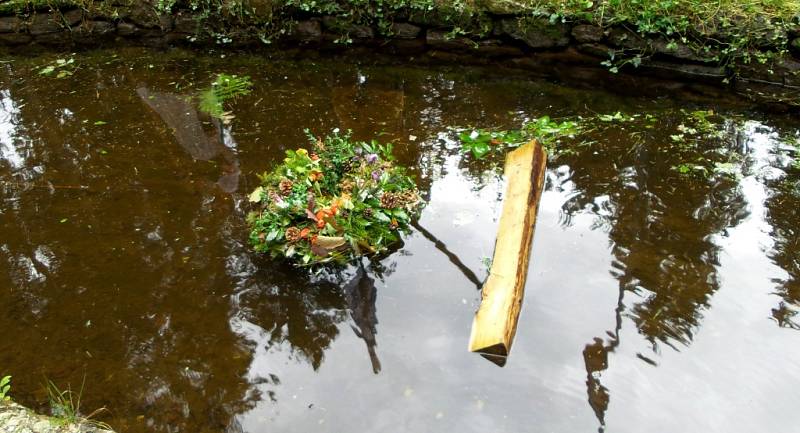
[[390, 200], [347, 186], [408, 197], [292, 234], [368, 213], [285, 187]]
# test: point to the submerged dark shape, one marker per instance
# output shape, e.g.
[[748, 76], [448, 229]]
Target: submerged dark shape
[[184, 120], [361, 294]]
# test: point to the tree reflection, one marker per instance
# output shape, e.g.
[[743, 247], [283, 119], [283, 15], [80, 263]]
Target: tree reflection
[[660, 224], [782, 215]]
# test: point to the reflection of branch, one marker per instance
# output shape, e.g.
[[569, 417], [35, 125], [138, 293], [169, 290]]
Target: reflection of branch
[[450, 255], [361, 295]]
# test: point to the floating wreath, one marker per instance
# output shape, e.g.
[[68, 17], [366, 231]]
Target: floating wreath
[[341, 200]]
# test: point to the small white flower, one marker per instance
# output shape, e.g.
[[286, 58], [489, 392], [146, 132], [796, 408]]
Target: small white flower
[[335, 130], [474, 135]]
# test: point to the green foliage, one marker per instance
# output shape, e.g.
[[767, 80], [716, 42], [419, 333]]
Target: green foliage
[[223, 89], [60, 68], [5, 388], [481, 142], [339, 201], [27, 6], [65, 407]]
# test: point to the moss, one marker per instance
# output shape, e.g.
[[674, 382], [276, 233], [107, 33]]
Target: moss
[[22, 7]]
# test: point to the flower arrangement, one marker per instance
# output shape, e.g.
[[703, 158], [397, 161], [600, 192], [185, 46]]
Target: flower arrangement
[[341, 200]]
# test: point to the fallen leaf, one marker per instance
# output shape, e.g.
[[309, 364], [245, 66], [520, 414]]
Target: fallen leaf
[[330, 242], [255, 196]]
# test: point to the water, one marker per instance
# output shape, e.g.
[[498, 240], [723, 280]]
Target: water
[[656, 301]]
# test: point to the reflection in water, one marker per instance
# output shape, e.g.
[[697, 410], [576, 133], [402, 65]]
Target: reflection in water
[[182, 118], [142, 280], [660, 224], [9, 118], [782, 214], [361, 295]]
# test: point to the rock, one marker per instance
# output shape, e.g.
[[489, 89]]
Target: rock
[[501, 7], [15, 38], [681, 51], [441, 40], [186, 23], [127, 29], [144, 15], [53, 39], [537, 33], [405, 31], [597, 50], [72, 17], [790, 69], [794, 46], [691, 72], [404, 47], [586, 33], [98, 27], [15, 418], [784, 70], [495, 48], [625, 38], [165, 22], [44, 23], [360, 32], [9, 24], [344, 28], [306, 31]]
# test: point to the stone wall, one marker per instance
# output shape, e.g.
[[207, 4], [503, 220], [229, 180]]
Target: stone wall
[[527, 43]]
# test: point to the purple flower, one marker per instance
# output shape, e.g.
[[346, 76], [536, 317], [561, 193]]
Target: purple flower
[[376, 175], [371, 158]]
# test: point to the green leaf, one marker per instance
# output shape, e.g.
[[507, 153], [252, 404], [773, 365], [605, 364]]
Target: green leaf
[[256, 195], [99, 123]]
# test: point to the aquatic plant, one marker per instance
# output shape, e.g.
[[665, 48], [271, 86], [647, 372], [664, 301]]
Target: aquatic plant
[[60, 68], [5, 387], [340, 200], [224, 88], [547, 131], [65, 406]]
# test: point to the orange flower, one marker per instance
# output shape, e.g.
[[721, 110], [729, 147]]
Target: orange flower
[[304, 233], [321, 224], [313, 240], [315, 176], [314, 157]]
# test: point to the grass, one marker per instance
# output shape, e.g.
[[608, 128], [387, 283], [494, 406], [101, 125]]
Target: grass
[[65, 407]]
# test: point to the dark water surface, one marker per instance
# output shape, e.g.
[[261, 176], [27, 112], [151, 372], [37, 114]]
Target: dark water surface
[[656, 301]]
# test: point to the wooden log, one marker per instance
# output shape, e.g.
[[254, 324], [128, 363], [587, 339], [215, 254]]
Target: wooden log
[[495, 322]]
